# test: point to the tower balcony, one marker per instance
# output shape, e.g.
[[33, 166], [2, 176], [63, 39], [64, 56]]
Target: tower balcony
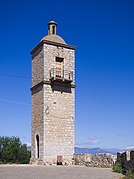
[[57, 74]]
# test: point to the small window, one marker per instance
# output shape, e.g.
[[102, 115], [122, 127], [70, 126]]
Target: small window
[[59, 59]]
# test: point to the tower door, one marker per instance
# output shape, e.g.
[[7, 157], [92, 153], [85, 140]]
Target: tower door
[[59, 67], [59, 159]]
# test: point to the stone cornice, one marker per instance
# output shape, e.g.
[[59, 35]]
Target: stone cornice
[[50, 83], [52, 43]]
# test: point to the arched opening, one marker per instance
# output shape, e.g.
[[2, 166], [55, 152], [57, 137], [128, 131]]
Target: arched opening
[[53, 30], [37, 146]]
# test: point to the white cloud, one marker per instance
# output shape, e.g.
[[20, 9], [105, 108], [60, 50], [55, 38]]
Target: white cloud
[[92, 140], [129, 148], [27, 143]]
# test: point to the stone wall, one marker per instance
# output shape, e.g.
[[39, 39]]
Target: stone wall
[[53, 111], [51, 52], [59, 108], [37, 66], [127, 160], [37, 105], [94, 160]]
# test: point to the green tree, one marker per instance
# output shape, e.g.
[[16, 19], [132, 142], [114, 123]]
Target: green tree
[[24, 154], [13, 151]]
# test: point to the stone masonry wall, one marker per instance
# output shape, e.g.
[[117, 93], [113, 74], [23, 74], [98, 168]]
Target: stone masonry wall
[[37, 104], [59, 108], [37, 123], [37, 66], [52, 106], [52, 51], [59, 124], [127, 160], [94, 160]]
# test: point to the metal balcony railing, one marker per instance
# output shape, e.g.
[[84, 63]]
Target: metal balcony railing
[[58, 74]]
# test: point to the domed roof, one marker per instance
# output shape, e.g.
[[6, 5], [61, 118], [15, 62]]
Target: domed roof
[[54, 38]]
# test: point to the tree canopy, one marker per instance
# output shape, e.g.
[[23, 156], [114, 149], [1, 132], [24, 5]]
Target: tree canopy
[[13, 151]]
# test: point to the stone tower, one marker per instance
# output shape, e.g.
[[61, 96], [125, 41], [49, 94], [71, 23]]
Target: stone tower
[[53, 100]]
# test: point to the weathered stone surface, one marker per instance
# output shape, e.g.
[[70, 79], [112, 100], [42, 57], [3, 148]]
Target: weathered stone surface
[[94, 160], [52, 106], [127, 160]]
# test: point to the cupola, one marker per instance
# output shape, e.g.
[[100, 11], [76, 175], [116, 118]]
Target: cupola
[[52, 37], [52, 28]]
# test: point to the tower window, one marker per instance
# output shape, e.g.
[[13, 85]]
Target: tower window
[[53, 29], [59, 59], [59, 67]]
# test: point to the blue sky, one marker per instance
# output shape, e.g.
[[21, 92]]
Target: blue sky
[[103, 32]]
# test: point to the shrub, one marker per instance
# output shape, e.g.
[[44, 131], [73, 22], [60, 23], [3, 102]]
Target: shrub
[[129, 175], [117, 167]]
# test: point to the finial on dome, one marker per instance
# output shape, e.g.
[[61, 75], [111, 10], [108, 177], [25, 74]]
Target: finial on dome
[[52, 28]]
